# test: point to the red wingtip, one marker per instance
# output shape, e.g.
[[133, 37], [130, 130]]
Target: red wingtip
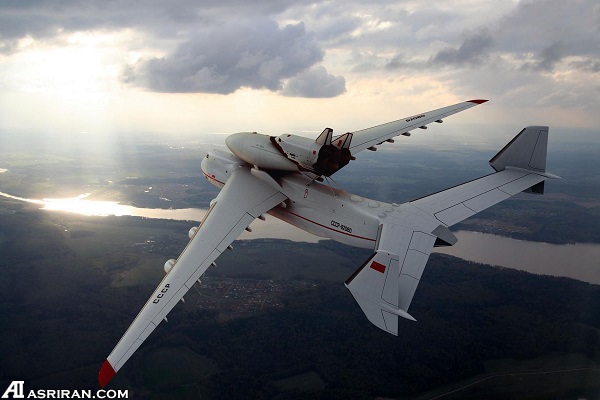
[[477, 101], [106, 373]]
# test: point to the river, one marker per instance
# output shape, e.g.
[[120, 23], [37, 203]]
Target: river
[[578, 261], [271, 228]]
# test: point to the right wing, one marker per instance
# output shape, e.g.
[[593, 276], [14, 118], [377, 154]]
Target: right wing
[[369, 137], [243, 198], [386, 283], [520, 166]]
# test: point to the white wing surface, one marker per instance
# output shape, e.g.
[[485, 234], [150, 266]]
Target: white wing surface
[[386, 283], [242, 199], [369, 137], [521, 166]]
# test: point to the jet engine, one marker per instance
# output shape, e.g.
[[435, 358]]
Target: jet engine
[[169, 265]]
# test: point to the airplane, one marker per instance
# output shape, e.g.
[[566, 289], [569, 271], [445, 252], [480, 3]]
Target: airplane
[[282, 176]]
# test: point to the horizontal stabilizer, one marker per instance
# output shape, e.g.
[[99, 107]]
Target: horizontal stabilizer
[[375, 287]]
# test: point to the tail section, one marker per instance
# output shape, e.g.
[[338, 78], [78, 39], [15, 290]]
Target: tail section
[[527, 151], [325, 137], [375, 288], [385, 284]]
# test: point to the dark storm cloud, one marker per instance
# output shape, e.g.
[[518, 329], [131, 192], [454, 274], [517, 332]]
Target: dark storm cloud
[[316, 83], [473, 50], [256, 54]]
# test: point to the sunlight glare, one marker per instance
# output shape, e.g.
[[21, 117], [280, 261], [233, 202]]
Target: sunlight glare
[[79, 205]]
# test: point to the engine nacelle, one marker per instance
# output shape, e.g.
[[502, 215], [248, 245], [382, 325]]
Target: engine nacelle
[[218, 165], [169, 265], [193, 231]]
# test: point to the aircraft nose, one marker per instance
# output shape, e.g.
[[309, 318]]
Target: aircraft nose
[[235, 142]]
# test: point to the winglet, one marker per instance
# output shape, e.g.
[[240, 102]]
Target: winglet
[[106, 373], [479, 101]]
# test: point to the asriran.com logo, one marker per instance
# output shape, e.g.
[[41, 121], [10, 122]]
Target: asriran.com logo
[[16, 390]]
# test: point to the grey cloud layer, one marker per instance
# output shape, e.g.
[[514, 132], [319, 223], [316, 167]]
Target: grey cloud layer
[[229, 44], [258, 55], [316, 83], [473, 50], [45, 18], [537, 35], [226, 44]]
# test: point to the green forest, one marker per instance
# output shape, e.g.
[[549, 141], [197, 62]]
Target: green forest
[[72, 285]]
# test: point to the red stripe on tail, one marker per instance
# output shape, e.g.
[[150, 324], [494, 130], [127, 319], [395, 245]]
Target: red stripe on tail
[[378, 267]]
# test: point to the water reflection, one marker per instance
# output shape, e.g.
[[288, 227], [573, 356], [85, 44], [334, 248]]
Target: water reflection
[[271, 228], [79, 205]]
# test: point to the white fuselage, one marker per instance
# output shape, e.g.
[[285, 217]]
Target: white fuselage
[[312, 206]]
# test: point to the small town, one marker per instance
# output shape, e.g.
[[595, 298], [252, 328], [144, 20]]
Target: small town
[[233, 298]]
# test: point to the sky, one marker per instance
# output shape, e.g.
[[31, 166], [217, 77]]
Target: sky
[[78, 67]]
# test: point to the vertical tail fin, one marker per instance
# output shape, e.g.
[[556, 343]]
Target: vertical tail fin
[[343, 142], [325, 137], [527, 151]]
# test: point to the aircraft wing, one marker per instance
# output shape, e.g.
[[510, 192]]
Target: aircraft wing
[[386, 283], [366, 138], [520, 166], [242, 199]]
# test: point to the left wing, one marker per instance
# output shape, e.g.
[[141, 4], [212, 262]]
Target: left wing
[[242, 199], [367, 138]]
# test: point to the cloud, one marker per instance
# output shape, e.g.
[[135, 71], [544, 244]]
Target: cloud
[[49, 18], [256, 54], [316, 83], [546, 59], [473, 50], [589, 65]]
